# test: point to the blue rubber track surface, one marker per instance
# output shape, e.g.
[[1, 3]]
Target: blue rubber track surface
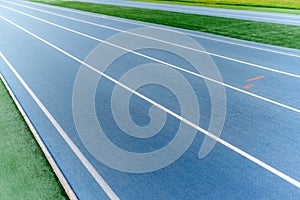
[[42, 53], [278, 18]]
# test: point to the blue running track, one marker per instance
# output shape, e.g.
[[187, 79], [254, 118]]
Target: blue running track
[[132, 110]]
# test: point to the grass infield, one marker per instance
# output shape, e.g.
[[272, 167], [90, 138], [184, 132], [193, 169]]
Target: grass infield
[[24, 171], [268, 33]]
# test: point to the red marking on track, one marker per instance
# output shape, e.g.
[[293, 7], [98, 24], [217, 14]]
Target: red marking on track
[[248, 86], [255, 78]]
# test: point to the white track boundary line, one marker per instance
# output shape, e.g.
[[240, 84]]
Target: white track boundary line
[[63, 134], [165, 63], [68, 189], [195, 126], [174, 29], [159, 40]]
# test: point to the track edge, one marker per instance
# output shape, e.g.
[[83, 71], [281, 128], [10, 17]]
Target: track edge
[[63, 181]]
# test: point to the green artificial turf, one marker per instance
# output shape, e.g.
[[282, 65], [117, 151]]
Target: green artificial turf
[[268, 33], [24, 171]]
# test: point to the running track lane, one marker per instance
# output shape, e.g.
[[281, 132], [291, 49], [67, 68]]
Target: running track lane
[[51, 74]]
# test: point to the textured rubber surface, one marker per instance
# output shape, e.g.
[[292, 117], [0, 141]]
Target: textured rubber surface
[[267, 130]]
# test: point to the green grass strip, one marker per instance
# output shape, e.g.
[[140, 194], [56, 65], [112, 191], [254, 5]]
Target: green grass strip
[[24, 171], [268, 33]]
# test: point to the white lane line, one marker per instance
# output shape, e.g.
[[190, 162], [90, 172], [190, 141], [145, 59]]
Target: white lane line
[[195, 126], [166, 42], [165, 63], [140, 23], [62, 179], [63, 134]]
